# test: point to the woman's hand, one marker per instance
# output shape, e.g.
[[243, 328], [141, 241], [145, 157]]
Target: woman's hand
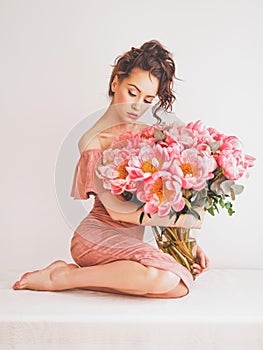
[[202, 262]]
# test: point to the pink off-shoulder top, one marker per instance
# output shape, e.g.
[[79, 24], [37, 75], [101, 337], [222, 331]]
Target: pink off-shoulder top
[[84, 185]]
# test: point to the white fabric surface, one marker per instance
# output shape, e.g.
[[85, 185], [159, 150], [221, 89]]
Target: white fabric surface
[[223, 311]]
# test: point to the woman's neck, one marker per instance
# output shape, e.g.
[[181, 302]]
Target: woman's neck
[[111, 118]]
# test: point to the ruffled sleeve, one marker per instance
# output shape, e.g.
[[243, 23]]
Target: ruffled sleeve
[[84, 175]]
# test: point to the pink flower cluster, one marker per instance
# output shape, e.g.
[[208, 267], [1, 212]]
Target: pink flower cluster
[[161, 163]]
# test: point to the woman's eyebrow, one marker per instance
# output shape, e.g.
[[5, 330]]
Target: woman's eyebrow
[[139, 89]]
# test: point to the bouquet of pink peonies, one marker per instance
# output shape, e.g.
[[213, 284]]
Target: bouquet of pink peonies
[[174, 170]]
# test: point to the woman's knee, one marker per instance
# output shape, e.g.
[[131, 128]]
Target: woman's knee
[[160, 281], [179, 291]]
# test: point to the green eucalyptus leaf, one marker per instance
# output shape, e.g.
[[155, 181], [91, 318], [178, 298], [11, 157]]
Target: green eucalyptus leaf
[[195, 214], [214, 146], [228, 205], [159, 135], [172, 213], [215, 186], [187, 203], [237, 188], [199, 198], [140, 206], [221, 202], [127, 195], [141, 217], [226, 186], [211, 211], [230, 211]]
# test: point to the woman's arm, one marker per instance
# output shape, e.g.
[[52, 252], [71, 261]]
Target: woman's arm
[[134, 217], [121, 210]]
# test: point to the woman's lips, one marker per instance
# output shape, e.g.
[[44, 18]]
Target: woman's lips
[[132, 115]]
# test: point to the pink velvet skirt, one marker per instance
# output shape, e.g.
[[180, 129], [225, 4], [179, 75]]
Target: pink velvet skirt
[[95, 242]]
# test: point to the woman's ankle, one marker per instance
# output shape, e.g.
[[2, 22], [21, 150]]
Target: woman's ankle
[[59, 278]]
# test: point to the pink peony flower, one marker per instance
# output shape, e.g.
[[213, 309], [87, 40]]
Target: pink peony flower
[[180, 135], [160, 193], [210, 160], [230, 156], [148, 133], [234, 163], [230, 143], [200, 131], [216, 135], [128, 139], [149, 160], [249, 161], [113, 170], [160, 162], [195, 169]]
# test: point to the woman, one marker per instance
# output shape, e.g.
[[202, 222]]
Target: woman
[[107, 245]]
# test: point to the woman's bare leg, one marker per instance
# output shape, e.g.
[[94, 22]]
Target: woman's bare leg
[[122, 276]]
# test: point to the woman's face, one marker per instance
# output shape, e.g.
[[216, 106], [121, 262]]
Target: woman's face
[[134, 94]]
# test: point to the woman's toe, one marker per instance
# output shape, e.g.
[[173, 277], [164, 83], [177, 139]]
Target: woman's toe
[[18, 285]]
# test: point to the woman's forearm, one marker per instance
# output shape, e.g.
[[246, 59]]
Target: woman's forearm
[[121, 210], [185, 220], [134, 218]]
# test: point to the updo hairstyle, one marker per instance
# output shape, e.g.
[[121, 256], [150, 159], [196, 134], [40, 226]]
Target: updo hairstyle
[[155, 59]]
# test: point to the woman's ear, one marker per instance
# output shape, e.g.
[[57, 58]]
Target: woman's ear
[[114, 83]]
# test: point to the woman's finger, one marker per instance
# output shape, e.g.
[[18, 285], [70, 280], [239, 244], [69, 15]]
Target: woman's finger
[[196, 268], [202, 260], [207, 262]]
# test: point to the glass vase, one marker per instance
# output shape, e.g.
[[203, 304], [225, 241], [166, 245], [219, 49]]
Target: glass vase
[[177, 242]]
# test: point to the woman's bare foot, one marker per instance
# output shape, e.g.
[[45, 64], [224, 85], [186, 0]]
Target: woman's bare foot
[[41, 279]]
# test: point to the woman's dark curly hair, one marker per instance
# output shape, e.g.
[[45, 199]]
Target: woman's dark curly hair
[[155, 59]]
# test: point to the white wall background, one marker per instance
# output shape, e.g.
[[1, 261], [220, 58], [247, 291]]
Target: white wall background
[[56, 58]]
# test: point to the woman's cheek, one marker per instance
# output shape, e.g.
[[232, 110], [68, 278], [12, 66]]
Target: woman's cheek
[[123, 98]]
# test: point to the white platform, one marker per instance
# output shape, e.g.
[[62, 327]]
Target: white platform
[[224, 311]]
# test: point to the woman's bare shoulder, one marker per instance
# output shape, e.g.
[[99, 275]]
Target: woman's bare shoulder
[[89, 140], [92, 138]]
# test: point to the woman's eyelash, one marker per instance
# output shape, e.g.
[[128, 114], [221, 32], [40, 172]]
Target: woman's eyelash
[[134, 95]]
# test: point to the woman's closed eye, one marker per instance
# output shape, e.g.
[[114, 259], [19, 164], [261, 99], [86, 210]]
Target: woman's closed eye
[[148, 101], [131, 93], [134, 95]]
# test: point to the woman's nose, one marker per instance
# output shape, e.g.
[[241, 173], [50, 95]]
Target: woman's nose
[[136, 106]]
